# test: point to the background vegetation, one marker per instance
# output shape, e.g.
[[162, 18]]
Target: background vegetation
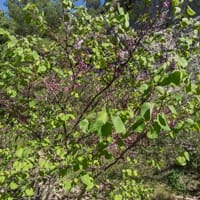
[[99, 102]]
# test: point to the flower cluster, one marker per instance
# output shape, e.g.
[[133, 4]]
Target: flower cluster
[[118, 72], [166, 4], [52, 85], [82, 67]]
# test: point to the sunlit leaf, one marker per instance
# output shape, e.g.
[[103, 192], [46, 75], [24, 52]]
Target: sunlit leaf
[[146, 110], [118, 197], [13, 186], [88, 181], [102, 116], [181, 61], [152, 134], [118, 124], [186, 155], [67, 185], [190, 11], [162, 122], [181, 160], [29, 192], [84, 124]]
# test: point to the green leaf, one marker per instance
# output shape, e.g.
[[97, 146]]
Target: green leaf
[[10, 91], [67, 3], [102, 116], [3, 32], [162, 122], [13, 186], [84, 124], [42, 69], [19, 152], [191, 87], [88, 181], [126, 20], [106, 129], [152, 134], [185, 21], [29, 192], [118, 124], [7, 35], [181, 160], [154, 131], [139, 125], [172, 109], [67, 185], [160, 90], [121, 10], [35, 55], [181, 61], [174, 77], [186, 155], [175, 2], [96, 127], [140, 128], [118, 197], [46, 164], [65, 117], [190, 11], [32, 104], [45, 142], [101, 119], [190, 121], [177, 10], [146, 110], [2, 178], [129, 172], [143, 88]]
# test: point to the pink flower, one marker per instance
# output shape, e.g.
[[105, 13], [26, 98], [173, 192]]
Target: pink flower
[[172, 123], [117, 73], [82, 66], [66, 89], [77, 85], [166, 4]]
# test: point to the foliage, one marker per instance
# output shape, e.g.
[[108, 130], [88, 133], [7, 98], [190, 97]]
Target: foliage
[[94, 7], [173, 179], [141, 11], [85, 100], [5, 22], [22, 13]]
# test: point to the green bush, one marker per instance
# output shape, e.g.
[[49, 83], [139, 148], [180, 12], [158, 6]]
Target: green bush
[[80, 102]]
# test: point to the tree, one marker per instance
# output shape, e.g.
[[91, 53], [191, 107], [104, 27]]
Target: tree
[[94, 7], [148, 8], [5, 22], [93, 4], [77, 109], [51, 11]]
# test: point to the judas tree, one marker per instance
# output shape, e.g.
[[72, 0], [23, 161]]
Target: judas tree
[[80, 106]]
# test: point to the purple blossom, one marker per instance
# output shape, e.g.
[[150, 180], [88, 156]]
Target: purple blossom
[[52, 85], [172, 123], [66, 89], [166, 4], [117, 73], [82, 66], [77, 85]]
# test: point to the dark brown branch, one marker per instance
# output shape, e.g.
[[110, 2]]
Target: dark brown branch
[[91, 101], [121, 156]]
